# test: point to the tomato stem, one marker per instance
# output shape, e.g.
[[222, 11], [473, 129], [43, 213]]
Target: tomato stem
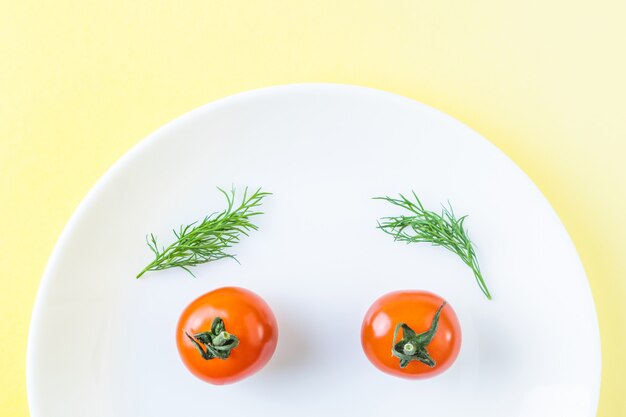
[[412, 346], [216, 343]]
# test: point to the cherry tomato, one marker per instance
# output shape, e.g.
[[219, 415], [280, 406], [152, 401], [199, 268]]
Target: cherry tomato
[[226, 335], [411, 334]]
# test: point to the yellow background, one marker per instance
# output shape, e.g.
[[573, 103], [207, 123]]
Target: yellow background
[[83, 81]]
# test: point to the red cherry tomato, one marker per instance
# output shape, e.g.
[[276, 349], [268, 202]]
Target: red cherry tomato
[[226, 335], [426, 342]]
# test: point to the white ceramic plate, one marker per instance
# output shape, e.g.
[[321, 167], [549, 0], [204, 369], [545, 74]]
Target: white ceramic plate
[[102, 343]]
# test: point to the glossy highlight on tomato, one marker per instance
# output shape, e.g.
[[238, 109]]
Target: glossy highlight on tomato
[[417, 310], [244, 315]]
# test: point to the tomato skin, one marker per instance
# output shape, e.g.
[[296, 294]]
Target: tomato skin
[[245, 315], [416, 309]]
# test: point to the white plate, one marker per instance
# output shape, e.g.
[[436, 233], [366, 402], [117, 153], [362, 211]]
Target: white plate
[[102, 343]]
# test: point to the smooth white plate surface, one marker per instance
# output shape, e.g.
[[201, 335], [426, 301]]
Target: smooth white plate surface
[[102, 343]]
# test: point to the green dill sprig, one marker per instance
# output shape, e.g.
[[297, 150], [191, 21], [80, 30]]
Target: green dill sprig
[[437, 229], [209, 240]]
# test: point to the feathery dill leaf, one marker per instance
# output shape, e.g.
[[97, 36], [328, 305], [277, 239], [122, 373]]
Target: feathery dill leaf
[[208, 240], [443, 229]]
